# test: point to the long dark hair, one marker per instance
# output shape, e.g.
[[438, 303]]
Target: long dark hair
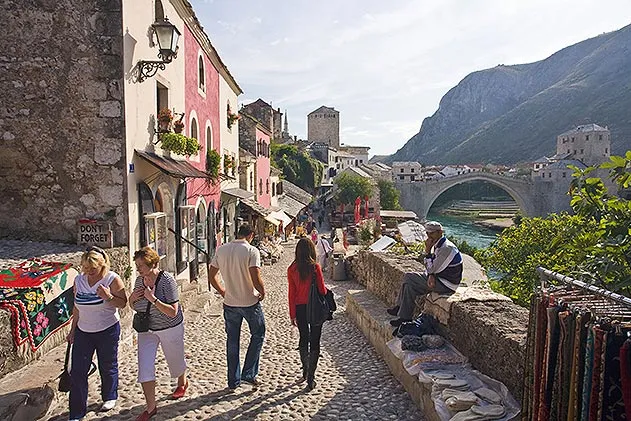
[[305, 258]]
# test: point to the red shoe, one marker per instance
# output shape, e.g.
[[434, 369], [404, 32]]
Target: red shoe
[[180, 391], [146, 416]]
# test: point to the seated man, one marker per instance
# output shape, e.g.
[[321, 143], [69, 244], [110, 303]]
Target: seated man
[[443, 273]]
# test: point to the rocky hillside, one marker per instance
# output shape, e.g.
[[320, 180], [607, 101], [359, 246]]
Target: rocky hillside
[[511, 114]]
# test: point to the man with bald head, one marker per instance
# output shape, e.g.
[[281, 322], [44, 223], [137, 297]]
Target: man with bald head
[[443, 263]]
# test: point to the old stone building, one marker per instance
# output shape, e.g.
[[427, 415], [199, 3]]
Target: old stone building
[[267, 115], [323, 126], [85, 90], [589, 143]]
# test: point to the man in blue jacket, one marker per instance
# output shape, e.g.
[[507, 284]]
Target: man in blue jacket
[[443, 263]]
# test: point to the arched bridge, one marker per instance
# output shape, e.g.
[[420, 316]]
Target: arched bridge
[[420, 196]]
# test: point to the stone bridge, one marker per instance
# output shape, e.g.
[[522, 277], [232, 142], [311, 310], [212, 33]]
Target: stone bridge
[[534, 198]]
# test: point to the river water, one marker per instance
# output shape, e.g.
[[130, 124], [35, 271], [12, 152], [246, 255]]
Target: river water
[[462, 229]]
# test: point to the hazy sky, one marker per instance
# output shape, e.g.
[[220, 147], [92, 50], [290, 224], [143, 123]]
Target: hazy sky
[[384, 65]]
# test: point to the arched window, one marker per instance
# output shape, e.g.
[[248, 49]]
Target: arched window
[[260, 186], [194, 129], [209, 138], [273, 189], [159, 11], [251, 181], [202, 74], [145, 199], [267, 186]]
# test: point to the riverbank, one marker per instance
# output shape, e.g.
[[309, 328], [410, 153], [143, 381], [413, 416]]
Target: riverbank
[[497, 224]]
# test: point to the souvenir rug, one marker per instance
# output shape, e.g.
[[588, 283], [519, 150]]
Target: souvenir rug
[[39, 296]]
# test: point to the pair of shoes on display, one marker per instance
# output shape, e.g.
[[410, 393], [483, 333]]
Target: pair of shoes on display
[[398, 322], [394, 311], [180, 391]]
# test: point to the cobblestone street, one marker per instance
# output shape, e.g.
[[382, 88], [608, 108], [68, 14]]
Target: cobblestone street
[[353, 383]]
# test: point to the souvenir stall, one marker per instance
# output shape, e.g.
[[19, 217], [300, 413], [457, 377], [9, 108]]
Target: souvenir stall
[[38, 295], [578, 355]]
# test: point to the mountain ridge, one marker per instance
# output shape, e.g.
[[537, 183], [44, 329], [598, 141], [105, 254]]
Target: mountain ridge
[[509, 114]]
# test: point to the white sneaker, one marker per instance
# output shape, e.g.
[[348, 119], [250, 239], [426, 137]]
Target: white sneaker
[[107, 405]]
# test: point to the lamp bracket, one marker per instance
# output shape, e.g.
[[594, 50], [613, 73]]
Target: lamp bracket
[[147, 69]]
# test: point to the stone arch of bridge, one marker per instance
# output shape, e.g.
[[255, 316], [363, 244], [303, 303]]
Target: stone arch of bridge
[[519, 197]]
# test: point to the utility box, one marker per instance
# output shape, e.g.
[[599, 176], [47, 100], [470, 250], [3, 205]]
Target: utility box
[[339, 267]]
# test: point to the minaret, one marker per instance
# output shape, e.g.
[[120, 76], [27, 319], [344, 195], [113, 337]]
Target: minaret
[[286, 125]]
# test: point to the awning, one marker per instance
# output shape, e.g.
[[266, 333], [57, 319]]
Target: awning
[[238, 193], [172, 167], [255, 207], [397, 214], [272, 220], [281, 216]]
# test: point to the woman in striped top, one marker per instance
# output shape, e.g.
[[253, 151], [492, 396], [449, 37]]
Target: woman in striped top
[[158, 290]]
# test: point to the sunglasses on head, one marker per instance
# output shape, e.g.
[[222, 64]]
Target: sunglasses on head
[[96, 249]]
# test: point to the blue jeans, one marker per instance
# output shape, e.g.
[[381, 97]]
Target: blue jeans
[[105, 343], [256, 322]]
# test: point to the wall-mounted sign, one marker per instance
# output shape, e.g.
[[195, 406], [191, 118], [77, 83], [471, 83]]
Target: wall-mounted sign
[[95, 233]]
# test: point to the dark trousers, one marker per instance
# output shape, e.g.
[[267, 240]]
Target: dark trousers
[[234, 316], [309, 334], [105, 343]]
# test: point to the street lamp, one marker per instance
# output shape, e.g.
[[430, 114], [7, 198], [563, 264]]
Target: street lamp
[[168, 36]]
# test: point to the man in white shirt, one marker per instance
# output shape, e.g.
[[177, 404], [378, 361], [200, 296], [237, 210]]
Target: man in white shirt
[[239, 264], [323, 249]]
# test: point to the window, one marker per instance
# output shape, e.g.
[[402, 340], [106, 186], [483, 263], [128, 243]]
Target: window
[[267, 186], [201, 78], [600, 137], [162, 96], [574, 151], [401, 177], [606, 150], [412, 178], [273, 189], [260, 185], [401, 169], [209, 138], [543, 175], [564, 174], [572, 140], [251, 181], [587, 137], [412, 170], [581, 151], [194, 129]]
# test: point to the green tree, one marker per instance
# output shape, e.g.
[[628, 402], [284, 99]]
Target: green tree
[[558, 243], [388, 195], [608, 260], [297, 166], [351, 186]]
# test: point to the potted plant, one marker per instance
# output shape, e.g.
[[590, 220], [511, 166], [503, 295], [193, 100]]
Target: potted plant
[[178, 126], [165, 117], [232, 118], [179, 144]]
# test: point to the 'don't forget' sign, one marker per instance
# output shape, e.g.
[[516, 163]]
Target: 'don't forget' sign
[[94, 233]]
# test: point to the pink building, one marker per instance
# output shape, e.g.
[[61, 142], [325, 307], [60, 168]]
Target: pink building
[[201, 121]]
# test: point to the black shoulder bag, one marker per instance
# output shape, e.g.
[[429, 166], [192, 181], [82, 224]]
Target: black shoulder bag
[[141, 320], [65, 381], [318, 310]]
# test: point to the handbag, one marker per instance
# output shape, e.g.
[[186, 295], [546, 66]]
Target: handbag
[[140, 322], [64, 377], [65, 381], [318, 310]]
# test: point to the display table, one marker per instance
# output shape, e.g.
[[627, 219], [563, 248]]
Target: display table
[[39, 296]]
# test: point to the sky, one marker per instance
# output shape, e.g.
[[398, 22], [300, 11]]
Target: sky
[[385, 65]]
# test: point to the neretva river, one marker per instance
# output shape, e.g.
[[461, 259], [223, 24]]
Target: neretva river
[[462, 229]]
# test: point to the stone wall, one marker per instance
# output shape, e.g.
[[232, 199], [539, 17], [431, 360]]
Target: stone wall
[[324, 127], [492, 334], [61, 118]]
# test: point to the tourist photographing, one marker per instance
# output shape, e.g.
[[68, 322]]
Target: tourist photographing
[[98, 294], [443, 263], [240, 267], [157, 291], [301, 273]]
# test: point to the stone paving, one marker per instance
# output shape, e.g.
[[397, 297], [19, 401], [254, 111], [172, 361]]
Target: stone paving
[[13, 252], [352, 382]]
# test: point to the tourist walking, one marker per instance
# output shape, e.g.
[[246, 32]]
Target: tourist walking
[[314, 235], [301, 273], [443, 263], [157, 290], [242, 290], [323, 250], [98, 294]]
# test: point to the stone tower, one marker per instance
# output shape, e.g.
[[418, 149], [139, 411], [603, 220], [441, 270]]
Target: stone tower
[[323, 125], [590, 144]]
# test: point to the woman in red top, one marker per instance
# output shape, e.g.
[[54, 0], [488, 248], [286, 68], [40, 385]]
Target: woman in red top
[[300, 274]]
